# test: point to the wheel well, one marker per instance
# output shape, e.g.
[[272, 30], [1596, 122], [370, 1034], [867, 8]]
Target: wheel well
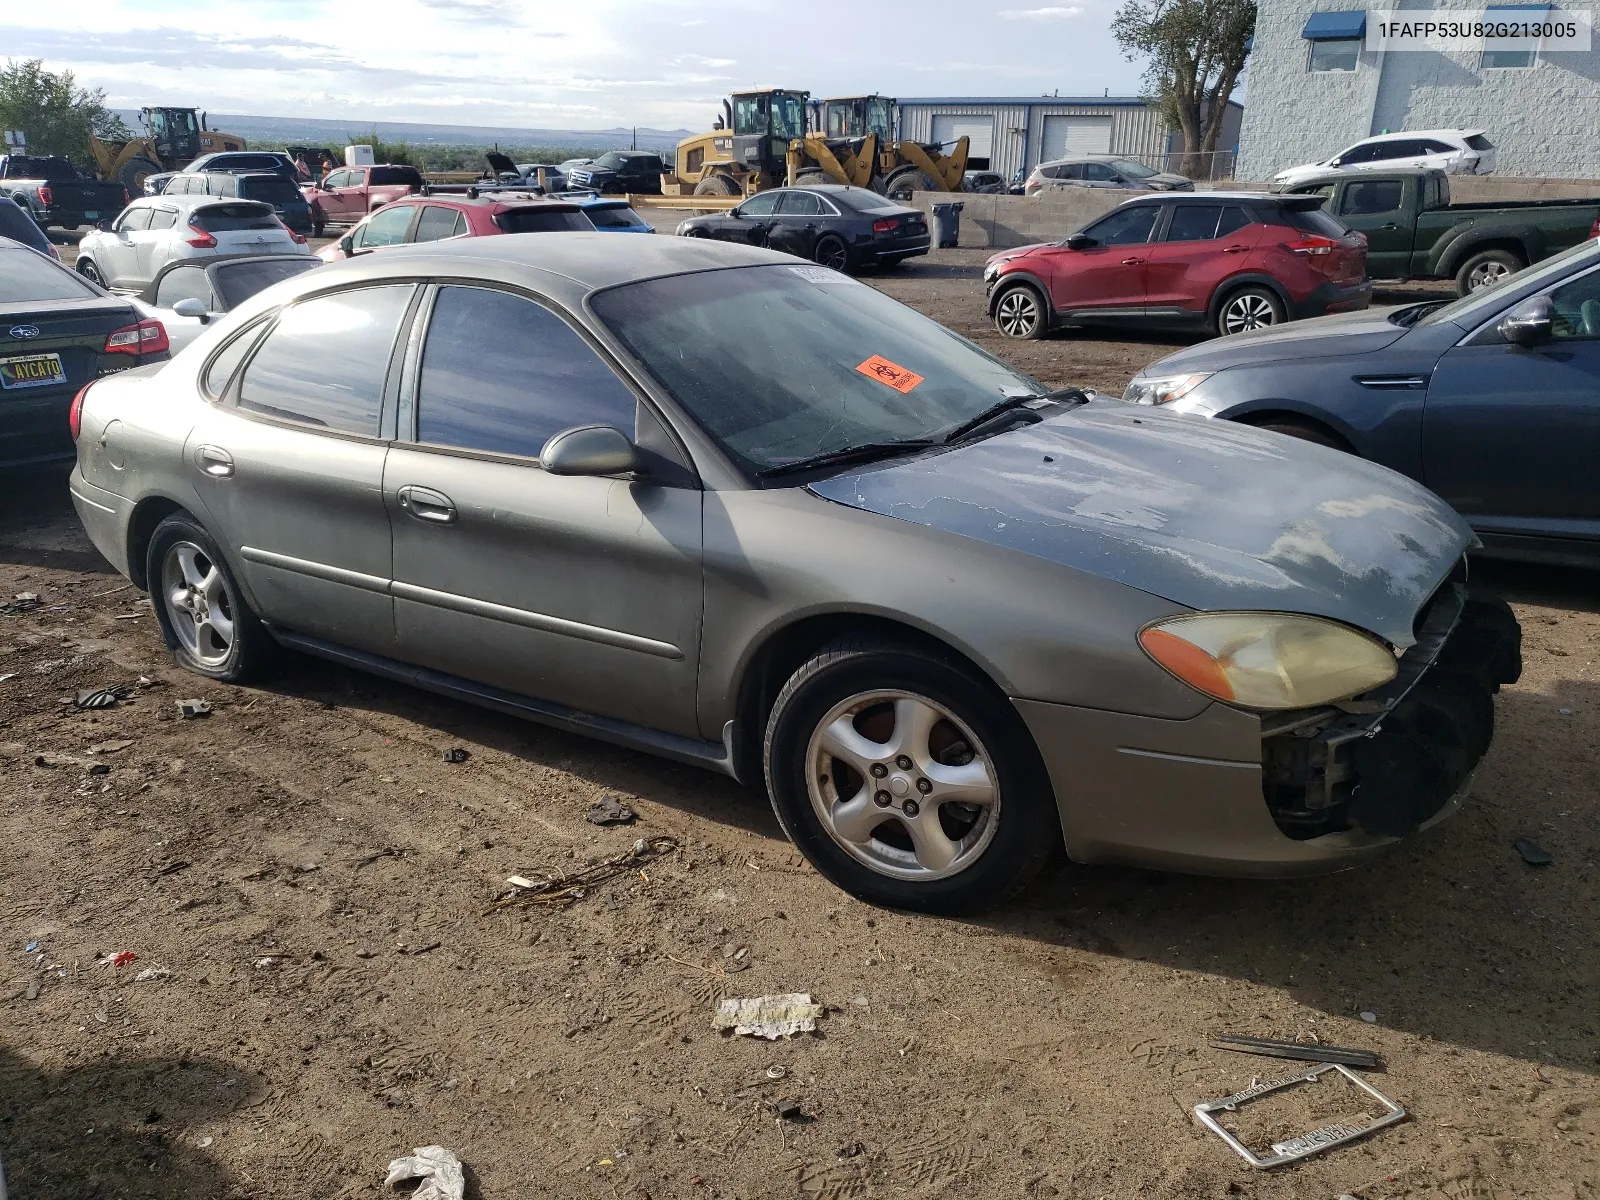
[[146, 516], [781, 655], [1510, 245], [1229, 288], [1299, 420], [1004, 285]]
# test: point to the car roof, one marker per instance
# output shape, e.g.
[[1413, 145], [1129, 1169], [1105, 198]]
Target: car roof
[[1334, 175], [497, 201], [1209, 198], [1417, 133], [195, 201]]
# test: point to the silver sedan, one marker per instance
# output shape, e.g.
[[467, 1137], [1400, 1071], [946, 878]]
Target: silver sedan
[[747, 513]]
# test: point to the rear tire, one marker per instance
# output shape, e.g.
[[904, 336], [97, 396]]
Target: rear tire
[[812, 175], [1020, 312], [950, 811], [133, 173], [202, 614], [901, 184], [831, 252], [1252, 307], [1486, 269]]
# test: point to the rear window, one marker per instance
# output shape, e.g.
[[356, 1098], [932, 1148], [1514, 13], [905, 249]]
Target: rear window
[[237, 282], [384, 176], [535, 220], [220, 218], [274, 189], [1314, 220], [1478, 142], [862, 200], [613, 217], [26, 275], [245, 162], [18, 224]]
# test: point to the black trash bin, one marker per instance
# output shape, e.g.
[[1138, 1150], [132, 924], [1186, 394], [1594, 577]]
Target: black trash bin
[[947, 225]]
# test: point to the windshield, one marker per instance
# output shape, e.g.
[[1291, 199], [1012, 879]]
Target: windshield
[[1134, 169], [26, 275], [237, 282], [880, 117], [1475, 305], [783, 363], [788, 115], [274, 189]]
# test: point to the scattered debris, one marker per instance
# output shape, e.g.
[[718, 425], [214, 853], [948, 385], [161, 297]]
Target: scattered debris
[[769, 1017], [1306, 1144], [33, 989], [119, 959], [853, 1150], [106, 697], [777, 1071], [441, 1173], [431, 946], [608, 810], [1532, 853], [1304, 1051], [1565, 712], [1371, 1018], [21, 603], [30, 947], [268, 962], [455, 755], [568, 889], [99, 769], [151, 974], [204, 1142], [190, 709], [789, 1110], [111, 747], [8, 675], [173, 867]]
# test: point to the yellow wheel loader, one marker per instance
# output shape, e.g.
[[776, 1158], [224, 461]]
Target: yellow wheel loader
[[858, 134], [747, 151], [174, 138]]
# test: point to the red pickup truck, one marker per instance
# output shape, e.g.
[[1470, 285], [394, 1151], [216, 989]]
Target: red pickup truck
[[347, 194]]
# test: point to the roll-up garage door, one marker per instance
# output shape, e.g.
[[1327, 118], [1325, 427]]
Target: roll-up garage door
[[979, 132], [1075, 135]]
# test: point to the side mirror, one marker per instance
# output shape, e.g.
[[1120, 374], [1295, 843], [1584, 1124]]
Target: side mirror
[[734, 212], [347, 243], [589, 450], [1080, 241], [1529, 323], [193, 306], [103, 226]]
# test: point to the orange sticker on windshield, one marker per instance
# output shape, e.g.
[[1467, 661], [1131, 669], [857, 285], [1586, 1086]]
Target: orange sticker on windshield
[[884, 371]]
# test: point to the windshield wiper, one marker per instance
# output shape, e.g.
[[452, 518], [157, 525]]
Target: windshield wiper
[[866, 452], [1009, 406]]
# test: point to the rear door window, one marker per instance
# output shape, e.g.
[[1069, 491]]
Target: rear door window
[[163, 218], [1193, 223], [1100, 173], [326, 361], [184, 283], [1233, 220], [800, 204], [502, 374], [220, 185], [438, 223], [1125, 227]]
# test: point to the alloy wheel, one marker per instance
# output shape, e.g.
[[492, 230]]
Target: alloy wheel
[[1017, 314], [832, 254], [199, 606], [1246, 312], [902, 785], [1487, 274]]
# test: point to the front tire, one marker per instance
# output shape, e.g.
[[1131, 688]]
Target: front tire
[[1250, 308], [203, 615], [901, 185], [907, 779], [89, 271], [319, 222], [717, 185], [1485, 270], [1019, 312]]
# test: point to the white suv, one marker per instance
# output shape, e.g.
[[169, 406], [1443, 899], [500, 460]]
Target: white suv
[[126, 254], [1453, 151]]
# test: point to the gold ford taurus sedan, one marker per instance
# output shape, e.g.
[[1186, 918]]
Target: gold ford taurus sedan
[[745, 512]]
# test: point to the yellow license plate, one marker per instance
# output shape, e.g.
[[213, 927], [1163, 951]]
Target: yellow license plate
[[31, 370]]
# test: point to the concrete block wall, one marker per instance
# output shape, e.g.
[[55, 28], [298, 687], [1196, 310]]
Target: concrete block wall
[[999, 222]]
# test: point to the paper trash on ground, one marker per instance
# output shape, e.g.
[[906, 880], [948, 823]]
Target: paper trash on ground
[[769, 1017]]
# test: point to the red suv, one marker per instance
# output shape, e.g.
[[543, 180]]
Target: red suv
[[437, 218], [1224, 261]]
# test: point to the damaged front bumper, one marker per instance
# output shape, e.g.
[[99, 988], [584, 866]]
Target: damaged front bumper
[[1229, 792]]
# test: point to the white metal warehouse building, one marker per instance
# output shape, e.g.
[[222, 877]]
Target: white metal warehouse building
[[1018, 132]]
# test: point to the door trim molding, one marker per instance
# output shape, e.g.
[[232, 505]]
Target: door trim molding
[[533, 620], [316, 570]]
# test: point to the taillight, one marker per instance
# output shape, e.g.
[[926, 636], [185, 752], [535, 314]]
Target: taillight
[[1315, 244], [127, 196], [147, 337], [1594, 230], [46, 196], [201, 239], [75, 413], [886, 225], [298, 239]]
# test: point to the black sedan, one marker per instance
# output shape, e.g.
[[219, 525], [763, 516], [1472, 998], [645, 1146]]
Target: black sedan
[[838, 227], [1493, 400], [58, 332]]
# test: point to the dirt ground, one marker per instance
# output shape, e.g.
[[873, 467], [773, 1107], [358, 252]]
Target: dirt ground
[[311, 885]]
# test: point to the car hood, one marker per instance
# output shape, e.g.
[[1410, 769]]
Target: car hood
[[1363, 332], [500, 164], [1206, 514], [1169, 180]]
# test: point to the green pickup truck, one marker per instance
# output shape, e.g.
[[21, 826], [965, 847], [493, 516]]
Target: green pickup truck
[[1414, 232]]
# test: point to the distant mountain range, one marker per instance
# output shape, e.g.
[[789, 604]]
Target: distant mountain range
[[309, 131]]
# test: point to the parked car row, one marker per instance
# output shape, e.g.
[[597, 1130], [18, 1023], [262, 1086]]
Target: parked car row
[[842, 228]]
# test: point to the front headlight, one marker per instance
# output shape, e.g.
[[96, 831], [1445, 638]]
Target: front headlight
[[1269, 660], [1163, 389]]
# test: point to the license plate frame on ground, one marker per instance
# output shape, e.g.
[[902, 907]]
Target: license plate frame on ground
[[1306, 1144], [8, 371]]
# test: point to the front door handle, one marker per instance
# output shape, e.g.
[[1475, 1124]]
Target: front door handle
[[1391, 225], [1234, 249], [425, 504], [214, 461], [1129, 262]]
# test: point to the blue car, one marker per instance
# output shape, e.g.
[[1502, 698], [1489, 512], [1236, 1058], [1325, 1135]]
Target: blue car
[[1489, 400], [613, 216]]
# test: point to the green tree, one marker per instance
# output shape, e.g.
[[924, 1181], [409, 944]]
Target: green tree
[[1196, 50], [55, 114]]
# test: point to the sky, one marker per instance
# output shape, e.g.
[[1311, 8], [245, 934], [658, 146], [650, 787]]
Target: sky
[[572, 64]]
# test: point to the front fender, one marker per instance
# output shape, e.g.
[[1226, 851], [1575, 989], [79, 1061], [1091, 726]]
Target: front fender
[[1022, 276]]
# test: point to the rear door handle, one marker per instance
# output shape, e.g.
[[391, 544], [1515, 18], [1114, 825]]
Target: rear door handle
[[1234, 249], [425, 504], [214, 461], [1390, 225], [1128, 262]]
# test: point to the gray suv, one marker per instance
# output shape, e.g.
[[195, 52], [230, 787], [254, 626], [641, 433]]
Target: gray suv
[[1102, 171]]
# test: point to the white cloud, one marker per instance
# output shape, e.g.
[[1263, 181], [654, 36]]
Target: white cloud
[[1042, 14]]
